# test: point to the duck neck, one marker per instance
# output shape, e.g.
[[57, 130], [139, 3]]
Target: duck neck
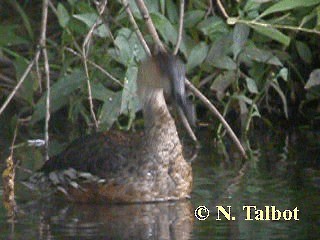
[[160, 130]]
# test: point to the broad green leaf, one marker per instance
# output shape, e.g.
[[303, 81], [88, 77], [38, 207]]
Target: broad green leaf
[[285, 5], [224, 62], [243, 98], [168, 32], [314, 79], [213, 27], [172, 12], [240, 37], [100, 92], [220, 48], [60, 92], [29, 85], [89, 19], [193, 17], [284, 74], [260, 55], [110, 111], [153, 6], [63, 15], [304, 52], [252, 86], [24, 17], [197, 55], [128, 47], [272, 34], [222, 82], [130, 101], [164, 26], [9, 36]]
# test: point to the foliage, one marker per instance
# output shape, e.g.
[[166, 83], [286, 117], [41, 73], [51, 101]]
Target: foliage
[[255, 64]]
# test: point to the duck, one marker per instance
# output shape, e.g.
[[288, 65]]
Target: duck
[[122, 167]]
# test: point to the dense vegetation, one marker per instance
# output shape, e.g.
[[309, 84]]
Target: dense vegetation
[[252, 59]]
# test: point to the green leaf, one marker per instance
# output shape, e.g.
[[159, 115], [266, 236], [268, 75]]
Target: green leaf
[[110, 111], [89, 19], [128, 47], [252, 86], [63, 15], [164, 26], [272, 34], [24, 17], [172, 11], [285, 5], [197, 55], [222, 82], [276, 86], [9, 36], [240, 37], [213, 27], [260, 55], [304, 52], [130, 101], [60, 92], [224, 62], [314, 79], [284, 74], [220, 48], [193, 17], [100, 92], [28, 86]]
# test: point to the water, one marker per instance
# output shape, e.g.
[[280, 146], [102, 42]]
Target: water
[[284, 171]]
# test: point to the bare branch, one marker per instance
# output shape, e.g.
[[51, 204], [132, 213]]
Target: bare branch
[[180, 27], [222, 9], [187, 125], [233, 21], [144, 11], [213, 109], [101, 69], [152, 30], [23, 77], [135, 27], [85, 50], [42, 44]]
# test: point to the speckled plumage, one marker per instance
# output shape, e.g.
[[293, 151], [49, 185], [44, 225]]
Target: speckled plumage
[[122, 167]]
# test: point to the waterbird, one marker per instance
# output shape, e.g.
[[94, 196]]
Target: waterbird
[[123, 167]]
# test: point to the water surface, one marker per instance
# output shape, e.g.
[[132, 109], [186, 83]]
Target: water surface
[[283, 171]]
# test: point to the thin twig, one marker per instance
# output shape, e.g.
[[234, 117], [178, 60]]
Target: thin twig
[[180, 27], [232, 21], [152, 30], [54, 10], [85, 50], [42, 44], [14, 91], [154, 34], [222, 9], [210, 9], [187, 125], [101, 69], [213, 109], [135, 27]]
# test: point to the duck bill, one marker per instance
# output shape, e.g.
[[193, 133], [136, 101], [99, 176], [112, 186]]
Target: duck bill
[[181, 100]]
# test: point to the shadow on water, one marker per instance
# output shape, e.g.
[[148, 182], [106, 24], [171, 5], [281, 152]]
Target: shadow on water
[[284, 171]]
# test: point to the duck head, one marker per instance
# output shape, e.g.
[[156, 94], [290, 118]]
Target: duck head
[[164, 73]]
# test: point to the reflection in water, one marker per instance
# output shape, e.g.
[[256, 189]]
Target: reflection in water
[[169, 220], [282, 172]]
